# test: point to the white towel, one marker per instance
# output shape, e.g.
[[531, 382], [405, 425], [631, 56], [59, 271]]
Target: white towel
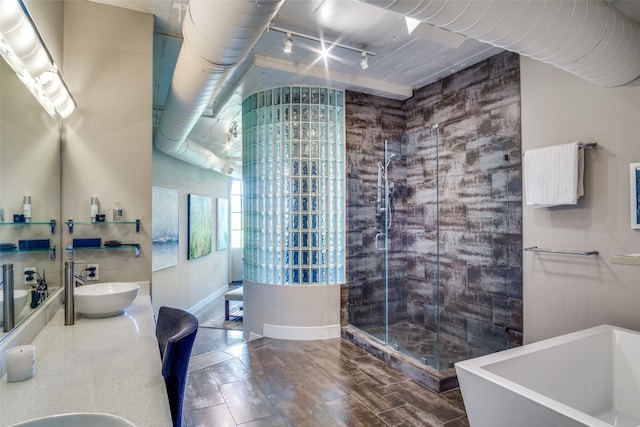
[[554, 175]]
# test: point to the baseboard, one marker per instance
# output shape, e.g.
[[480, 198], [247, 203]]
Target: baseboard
[[208, 299], [308, 333]]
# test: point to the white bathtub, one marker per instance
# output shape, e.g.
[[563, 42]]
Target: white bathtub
[[586, 378]]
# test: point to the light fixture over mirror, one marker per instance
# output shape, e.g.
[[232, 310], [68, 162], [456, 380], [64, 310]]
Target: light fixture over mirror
[[23, 49]]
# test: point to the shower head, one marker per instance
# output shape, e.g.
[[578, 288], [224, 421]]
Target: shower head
[[392, 157]]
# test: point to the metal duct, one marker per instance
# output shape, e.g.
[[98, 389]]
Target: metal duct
[[218, 35], [588, 38]]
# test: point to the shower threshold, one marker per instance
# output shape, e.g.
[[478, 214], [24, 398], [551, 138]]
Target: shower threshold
[[438, 381]]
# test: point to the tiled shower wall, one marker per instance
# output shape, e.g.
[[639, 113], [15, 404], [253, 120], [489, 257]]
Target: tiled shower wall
[[370, 121], [478, 160]]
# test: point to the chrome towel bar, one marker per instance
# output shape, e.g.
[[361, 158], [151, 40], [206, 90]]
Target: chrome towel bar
[[560, 251]]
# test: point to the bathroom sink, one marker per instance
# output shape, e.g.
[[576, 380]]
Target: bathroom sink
[[105, 299], [20, 297], [77, 420]]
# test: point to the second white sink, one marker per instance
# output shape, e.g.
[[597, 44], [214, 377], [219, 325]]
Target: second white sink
[[77, 419], [20, 298]]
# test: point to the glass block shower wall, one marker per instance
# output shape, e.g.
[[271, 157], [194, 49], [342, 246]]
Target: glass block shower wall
[[294, 186]]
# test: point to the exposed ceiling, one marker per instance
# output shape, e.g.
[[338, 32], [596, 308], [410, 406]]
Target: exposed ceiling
[[402, 62]]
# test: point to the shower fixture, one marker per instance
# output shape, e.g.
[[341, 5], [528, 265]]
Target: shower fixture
[[384, 199]]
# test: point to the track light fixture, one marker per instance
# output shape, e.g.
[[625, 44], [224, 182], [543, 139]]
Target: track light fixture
[[364, 62], [326, 45], [288, 43]]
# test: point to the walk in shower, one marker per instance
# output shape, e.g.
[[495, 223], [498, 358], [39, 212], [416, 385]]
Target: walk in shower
[[435, 244]]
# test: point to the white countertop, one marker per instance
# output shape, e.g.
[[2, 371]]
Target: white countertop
[[109, 365]]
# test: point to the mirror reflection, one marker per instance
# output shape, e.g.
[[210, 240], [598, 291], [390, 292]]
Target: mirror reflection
[[29, 196]]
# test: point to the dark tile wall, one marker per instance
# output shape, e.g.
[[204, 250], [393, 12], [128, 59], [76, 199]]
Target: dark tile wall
[[473, 176], [370, 121]]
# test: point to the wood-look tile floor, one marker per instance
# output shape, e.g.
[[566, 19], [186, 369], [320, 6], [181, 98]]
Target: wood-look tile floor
[[269, 382]]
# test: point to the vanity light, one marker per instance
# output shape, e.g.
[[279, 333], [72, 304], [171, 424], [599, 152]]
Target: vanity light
[[55, 89], [24, 51]]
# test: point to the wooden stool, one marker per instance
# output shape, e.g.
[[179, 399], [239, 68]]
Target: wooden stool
[[233, 295]]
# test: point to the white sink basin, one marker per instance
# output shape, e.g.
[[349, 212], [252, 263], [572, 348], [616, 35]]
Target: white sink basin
[[105, 299], [77, 420], [20, 297]]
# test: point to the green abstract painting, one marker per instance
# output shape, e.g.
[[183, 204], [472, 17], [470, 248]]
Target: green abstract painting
[[223, 224], [200, 225]]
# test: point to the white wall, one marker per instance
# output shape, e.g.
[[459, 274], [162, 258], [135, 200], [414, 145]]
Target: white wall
[[568, 293], [48, 15], [237, 264], [106, 150], [192, 281]]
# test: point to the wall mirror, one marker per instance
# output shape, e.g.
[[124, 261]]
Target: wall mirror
[[29, 166], [634, 181]]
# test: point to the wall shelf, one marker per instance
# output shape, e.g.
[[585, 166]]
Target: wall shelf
[[51, 223], [119, 246], [51, 250], [136, 246], [70, 223]]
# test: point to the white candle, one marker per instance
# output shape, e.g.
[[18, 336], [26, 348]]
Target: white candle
[[21, 363]]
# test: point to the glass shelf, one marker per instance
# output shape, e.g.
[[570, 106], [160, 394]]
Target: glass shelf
[[51, 223], [70, 223], [70, 250], [51, 250]]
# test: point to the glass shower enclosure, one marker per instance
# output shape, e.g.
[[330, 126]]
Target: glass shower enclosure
[[437, 276]]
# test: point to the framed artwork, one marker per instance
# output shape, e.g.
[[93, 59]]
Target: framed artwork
[[200, 225], [634, 181], [223, 224], [165, 208]]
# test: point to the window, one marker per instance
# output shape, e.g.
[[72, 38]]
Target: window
[[236, 214]]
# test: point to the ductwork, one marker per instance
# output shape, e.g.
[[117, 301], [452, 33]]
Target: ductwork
[[588, 38], [218, 35]]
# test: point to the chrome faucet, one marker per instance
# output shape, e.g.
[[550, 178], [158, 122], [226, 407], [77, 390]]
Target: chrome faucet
[[70, 281], [69, 285], [78, 280]]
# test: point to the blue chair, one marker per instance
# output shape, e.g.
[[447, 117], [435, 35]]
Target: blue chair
[[176, 331]]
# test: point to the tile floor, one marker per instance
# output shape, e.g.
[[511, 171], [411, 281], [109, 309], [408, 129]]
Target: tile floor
[[269, 382], [420, 343]]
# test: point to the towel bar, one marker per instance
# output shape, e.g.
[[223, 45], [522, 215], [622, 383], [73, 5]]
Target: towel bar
[[581, 145], [560, 251]]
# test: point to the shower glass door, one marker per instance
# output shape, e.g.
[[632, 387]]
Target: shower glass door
[[475, 279], [435, 244], [377, 268]]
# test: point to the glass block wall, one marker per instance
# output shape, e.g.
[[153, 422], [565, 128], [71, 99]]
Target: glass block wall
[[294, 183]]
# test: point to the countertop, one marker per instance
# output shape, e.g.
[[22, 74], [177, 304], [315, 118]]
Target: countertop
[[109, 365]]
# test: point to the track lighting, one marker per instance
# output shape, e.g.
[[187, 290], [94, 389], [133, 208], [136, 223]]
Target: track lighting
[[288, 43], [326, 45], [364, 61]]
